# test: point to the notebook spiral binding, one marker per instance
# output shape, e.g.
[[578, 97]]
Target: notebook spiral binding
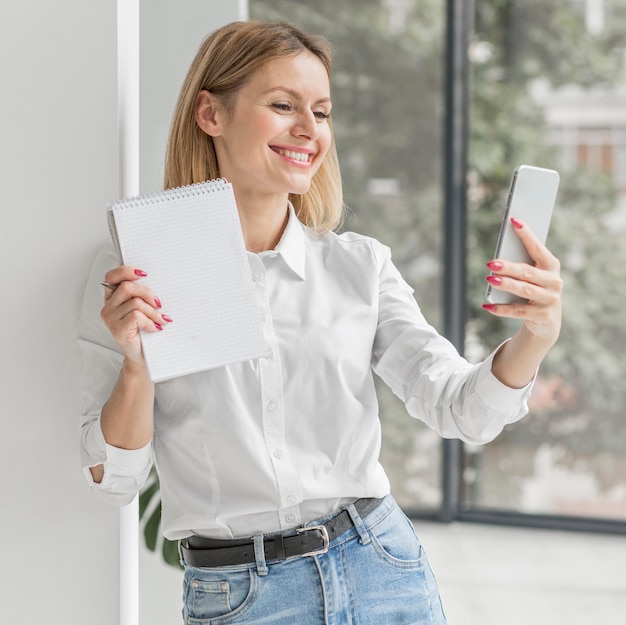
[[197, 188]]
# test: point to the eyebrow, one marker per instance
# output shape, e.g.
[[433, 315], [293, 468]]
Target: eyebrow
[[294, 94]]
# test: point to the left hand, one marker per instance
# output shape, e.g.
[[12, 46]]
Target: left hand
[[541, 285]]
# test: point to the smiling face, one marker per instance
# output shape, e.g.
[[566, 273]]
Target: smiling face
[[273, 139]]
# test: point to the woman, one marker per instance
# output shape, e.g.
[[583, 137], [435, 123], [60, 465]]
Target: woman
[[269, 469]]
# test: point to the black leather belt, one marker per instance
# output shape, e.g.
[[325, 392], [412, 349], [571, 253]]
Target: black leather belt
[[307, 541]]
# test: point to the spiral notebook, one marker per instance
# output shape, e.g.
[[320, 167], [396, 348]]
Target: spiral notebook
[[190, 243]]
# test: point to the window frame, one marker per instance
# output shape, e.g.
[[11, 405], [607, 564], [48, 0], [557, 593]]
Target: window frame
[[459, 26]]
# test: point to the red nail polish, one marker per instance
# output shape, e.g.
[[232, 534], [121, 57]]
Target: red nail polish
[[157, 302], [489, 306], [494, 279], [494, 265], [167, 318], [140, 273], [518, 224], [158, 326]]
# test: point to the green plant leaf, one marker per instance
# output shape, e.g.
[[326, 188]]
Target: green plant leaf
[[152, 528], [169, 551], [147, 495]]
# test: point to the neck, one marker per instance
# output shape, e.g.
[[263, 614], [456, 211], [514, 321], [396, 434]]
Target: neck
[[262, 222]]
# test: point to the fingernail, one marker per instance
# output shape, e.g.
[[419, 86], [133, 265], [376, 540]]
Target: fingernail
[[494, 279], [516, 223], [167, 318], [489, 307], [157, 302], [158, 326], [494, 265], [140, 272]]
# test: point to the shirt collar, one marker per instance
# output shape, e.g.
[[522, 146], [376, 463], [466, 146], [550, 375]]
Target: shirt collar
[[292, 244]]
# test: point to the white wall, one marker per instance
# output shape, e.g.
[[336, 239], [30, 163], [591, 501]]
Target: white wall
[[163, 64], [58, 170]]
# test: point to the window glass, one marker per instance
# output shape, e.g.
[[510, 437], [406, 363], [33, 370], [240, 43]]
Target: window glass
[[549, 89], [387, 115]]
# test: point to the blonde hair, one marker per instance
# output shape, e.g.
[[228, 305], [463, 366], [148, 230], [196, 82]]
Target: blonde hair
[[224, 63]]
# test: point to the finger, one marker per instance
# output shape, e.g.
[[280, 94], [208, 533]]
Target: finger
[[533, 285], [138, 320], [503, 269], [120, 313], [130, 295], [119, 275], [132, 315], [536, 249], [544, 321], [123, 273], [507, 310], [127, 290], [136, 303]]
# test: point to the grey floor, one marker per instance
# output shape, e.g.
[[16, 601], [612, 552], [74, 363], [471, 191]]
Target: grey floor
[[492, 575]]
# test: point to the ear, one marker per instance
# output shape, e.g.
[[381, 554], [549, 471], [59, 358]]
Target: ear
[[208, 113]]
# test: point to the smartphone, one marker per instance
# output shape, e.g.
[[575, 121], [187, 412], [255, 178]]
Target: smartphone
[[531, 198]]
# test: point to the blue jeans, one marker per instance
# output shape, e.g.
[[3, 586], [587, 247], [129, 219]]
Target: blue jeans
[[374, 574]]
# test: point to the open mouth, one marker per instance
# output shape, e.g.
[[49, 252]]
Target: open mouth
[[301, 157]]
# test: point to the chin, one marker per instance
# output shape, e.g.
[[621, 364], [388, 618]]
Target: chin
[[300, 189]]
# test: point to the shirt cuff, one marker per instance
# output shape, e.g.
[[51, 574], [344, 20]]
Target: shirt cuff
[[128, 461], [122, 463], [496, 394]]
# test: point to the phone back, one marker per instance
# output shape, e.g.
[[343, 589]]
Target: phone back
[[531, 198]]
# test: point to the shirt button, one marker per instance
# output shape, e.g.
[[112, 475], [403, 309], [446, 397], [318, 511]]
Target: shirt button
[[291, 500], [257, 277], [268, 354], [279, 454], [271, 406], [290, 518]]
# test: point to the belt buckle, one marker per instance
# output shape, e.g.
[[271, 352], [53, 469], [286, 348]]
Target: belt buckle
[[325, 539]]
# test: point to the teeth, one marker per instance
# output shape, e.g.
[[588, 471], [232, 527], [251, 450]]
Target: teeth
[[297, 156]]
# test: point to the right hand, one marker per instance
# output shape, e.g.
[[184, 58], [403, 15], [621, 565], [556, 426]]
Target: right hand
[[128, 308]]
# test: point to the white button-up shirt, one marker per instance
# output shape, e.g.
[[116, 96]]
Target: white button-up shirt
[[269, 444]]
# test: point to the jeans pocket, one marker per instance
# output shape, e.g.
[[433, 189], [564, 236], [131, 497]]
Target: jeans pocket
[[215, 594], [395, 542]]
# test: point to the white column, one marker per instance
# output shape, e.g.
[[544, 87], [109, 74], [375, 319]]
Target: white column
[[128, 133], [157, 40]]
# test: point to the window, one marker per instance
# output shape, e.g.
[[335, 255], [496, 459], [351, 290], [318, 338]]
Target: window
[[547, 87], [557, 101]]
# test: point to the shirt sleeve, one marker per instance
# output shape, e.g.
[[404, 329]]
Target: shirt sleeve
[[438, 386], [125, 471]]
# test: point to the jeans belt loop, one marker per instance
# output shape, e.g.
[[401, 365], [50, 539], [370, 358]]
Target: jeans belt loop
[[259, 554], [358, 524]]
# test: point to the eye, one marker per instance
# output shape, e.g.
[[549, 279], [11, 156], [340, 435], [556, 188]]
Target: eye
[[321, 115], [284, 107]]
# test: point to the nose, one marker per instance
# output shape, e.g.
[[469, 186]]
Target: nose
[[306, 126]]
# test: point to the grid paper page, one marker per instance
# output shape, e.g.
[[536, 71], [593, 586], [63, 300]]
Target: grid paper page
[[189, 241]]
